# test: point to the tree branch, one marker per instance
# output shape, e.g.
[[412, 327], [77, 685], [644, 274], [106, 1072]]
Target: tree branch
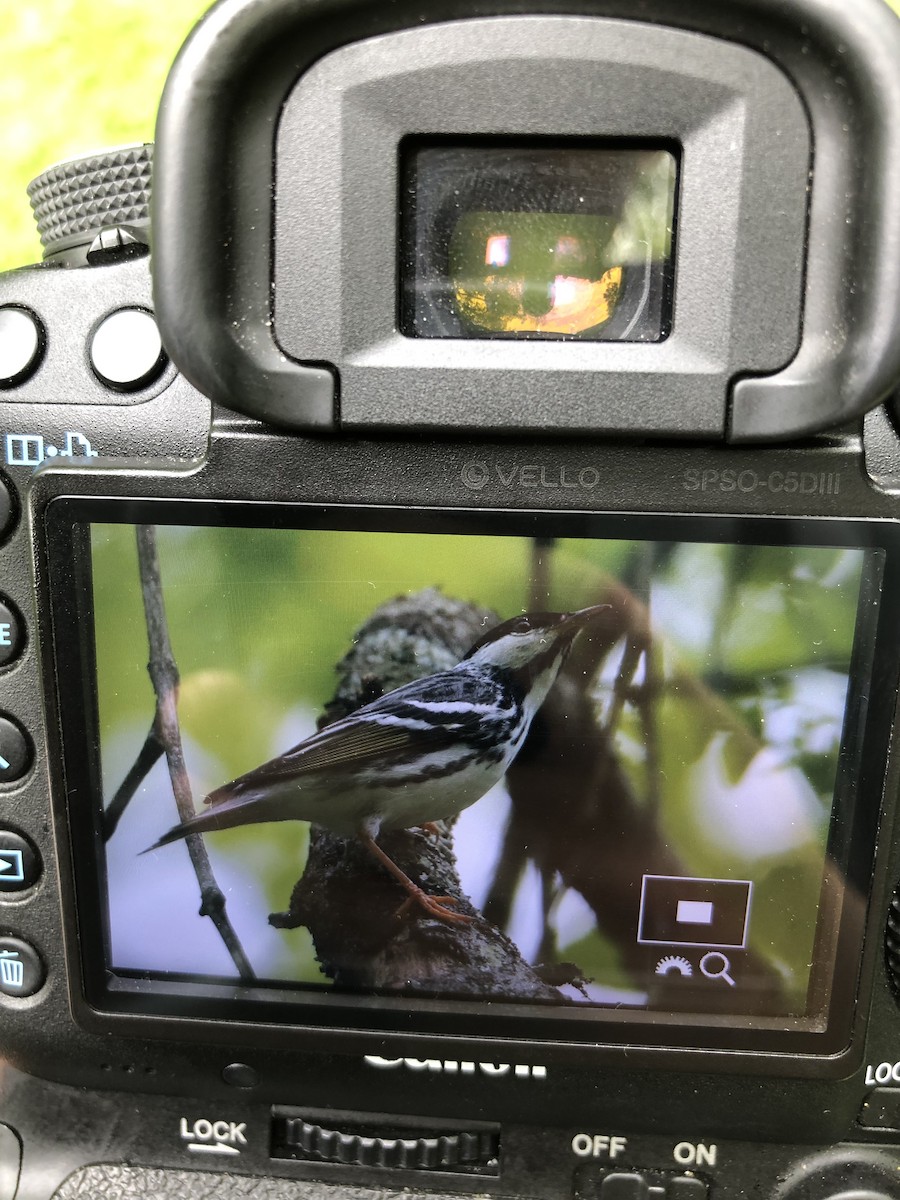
[[165, 736], [346, 900], [150, 753]]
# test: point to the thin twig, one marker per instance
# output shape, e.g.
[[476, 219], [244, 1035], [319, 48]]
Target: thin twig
[[150, 753], [167, 733]]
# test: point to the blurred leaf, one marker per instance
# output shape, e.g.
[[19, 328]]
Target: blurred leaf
[[598, 961]]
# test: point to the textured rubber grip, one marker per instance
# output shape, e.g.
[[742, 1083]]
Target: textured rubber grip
[[135, 1183], [74, 200]]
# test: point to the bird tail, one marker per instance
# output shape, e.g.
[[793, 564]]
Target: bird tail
[[225, 814]]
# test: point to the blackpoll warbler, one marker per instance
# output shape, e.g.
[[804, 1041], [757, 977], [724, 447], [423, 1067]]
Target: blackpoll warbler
[[418, 754]]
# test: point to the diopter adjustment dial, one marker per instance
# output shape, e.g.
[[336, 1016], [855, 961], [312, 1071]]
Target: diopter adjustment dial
[[74, 201], [427, 1152]]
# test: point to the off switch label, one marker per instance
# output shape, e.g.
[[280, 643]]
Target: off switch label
[[599, 1145]]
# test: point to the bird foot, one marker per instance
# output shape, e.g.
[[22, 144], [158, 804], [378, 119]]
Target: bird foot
[[432, 828], [439, 907]]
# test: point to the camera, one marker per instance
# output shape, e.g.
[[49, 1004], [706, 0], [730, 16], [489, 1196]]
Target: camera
[[448, 635]]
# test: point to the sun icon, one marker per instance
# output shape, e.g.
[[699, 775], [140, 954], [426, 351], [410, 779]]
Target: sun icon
[[674, 964]]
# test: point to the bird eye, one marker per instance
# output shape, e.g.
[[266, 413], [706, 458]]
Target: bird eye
[[523, 625]]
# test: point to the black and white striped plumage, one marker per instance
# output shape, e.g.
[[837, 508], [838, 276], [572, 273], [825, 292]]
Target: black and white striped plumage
[[421, 753]]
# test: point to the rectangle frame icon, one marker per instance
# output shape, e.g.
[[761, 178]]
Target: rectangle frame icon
[[675, 909]]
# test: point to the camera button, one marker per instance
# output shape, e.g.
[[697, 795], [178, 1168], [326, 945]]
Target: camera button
[[12, 633], [22, 344], [20, 863], [7, 508], [239, 1075], [15, 750], [126, 350], [22, 971]]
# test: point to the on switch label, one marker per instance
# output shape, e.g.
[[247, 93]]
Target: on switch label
[[695, 1154]]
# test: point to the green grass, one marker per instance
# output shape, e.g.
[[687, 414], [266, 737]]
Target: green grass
[[80, 75]]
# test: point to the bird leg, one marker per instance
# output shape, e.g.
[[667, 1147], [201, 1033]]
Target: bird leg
[[435, 906]]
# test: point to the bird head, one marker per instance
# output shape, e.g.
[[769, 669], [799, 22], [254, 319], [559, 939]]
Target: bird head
[[533, 642]]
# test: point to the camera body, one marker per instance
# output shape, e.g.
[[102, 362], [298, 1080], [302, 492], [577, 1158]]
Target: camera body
[[362, 421]]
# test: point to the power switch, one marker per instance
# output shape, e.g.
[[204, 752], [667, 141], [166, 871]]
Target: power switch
[[686, 1187], [625, 1185], [647, 1184]]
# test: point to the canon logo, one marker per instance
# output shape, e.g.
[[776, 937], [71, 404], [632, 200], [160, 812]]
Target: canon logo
[[450, 1066]]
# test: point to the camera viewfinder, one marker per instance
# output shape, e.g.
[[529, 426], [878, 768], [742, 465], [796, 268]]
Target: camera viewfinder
[[538, 242]]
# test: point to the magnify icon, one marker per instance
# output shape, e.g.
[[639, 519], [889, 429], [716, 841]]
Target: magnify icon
[[716, 966]]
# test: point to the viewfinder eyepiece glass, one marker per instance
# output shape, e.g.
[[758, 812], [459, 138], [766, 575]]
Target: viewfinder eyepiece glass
[[534, 242]]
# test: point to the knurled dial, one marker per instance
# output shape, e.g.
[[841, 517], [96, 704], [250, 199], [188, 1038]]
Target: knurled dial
[[423, 1153], [74, 200]]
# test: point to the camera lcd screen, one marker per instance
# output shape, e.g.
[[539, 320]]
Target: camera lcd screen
[[538, 242], [668, 844]]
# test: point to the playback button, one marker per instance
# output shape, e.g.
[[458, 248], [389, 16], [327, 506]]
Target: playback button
[[15, 750], [20, 863]]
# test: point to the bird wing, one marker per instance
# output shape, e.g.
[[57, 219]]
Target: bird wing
[[406, 718], [349, 745]]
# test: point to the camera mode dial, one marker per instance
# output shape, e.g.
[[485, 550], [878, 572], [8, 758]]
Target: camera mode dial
[[96, 207]]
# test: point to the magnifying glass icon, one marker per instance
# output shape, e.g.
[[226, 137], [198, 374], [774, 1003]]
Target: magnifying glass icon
[[716, 966]]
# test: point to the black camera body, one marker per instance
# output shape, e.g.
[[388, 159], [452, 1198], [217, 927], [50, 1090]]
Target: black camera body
[[452, 318]]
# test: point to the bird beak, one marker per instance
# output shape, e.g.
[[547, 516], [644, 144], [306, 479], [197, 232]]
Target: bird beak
[[586, 615], [576, 621]]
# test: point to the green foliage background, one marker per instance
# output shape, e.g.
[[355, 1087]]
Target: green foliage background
[[78, 75]]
